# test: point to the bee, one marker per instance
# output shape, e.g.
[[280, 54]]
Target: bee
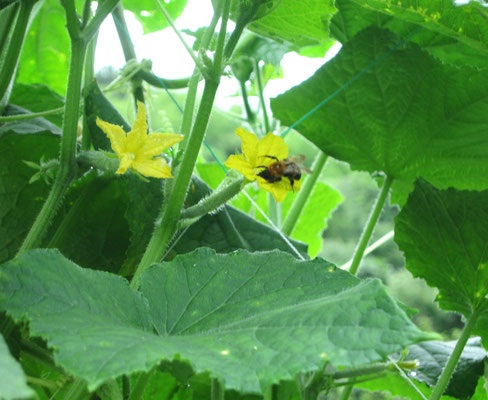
[[288, 168]]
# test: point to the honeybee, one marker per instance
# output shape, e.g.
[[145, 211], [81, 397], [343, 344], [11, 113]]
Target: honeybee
[[288, 167]]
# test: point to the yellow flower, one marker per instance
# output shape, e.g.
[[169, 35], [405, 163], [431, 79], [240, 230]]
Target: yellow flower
[[259, 155], [137, 149]]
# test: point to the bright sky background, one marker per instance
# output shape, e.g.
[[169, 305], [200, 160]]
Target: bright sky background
[[170, 59]]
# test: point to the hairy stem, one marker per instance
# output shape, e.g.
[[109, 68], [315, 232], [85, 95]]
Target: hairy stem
[[368, 231], [455, 355], [7, 21], [303, 195], [68, 146]]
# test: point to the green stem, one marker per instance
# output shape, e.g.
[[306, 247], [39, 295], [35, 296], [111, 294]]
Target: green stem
[[455, 355], [360, 371], [127, 48], [20, 117], [163, 83], [259, 81], [219, 62], [138, 389], [104, 8], [197, 61], [303, 195], [217, 391], [10, 62], [42, 382], [368, 231], [251, 118], [382, 240], [222, 195], [274, 211], [7, 20], [89, 77], [165, 231], [68, 147], [246, 15]]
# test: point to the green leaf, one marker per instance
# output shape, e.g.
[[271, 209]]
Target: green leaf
[[12, 379], [260, 49], [443, 235], [150, 16], [46, 52], [37, 98], [233, 315], [211, 173], [442, 37], [91, 229], [408, 116], [480, 393], [313, 220], [432, 357], [20, 201], [300, 23]]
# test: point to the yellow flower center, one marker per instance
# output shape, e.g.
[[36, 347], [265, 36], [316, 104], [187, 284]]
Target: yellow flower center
[[132, 156]]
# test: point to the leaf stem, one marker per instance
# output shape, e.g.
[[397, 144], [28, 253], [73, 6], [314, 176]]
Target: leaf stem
[[455, 355], [226, 191], [303, 195], [20, 117], [104, 8], [77, 390], [11, 59], [368, 231], [67, 165], [195, 59], [259, 81], [8, 18]]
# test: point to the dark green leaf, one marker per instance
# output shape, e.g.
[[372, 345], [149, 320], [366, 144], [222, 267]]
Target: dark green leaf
[[150, 16], [443, 235], [20, 201], [300, 23], [46, 52], [480, 393], [92, 230], [261, 49], [233, 315], [408, 116], [37, 98], [433, 356], [12, 379]]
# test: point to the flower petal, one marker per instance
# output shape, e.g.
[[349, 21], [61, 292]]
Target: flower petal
[[138, 133], [271, 145], [277, 189], [116, 135], [126, 160], [240, 163], [155, 143], [249, 145], [157, 168]]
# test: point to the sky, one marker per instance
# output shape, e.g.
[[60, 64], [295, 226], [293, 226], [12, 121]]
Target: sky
[[170, 59]]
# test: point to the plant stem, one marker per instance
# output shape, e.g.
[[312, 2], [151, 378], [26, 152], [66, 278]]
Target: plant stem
[[195, 59], [138, 389], [251, 118], [77, 390], [104, 8], [20, 117], [368, 231], [10, 62], [127, 48], [217, 391], [41, 382], [259, 81], [346, 392], [165, 231], [303, 195], [89, 77], [172, 209], [218, 198], [455, 355], [382, 240], [67, 165]]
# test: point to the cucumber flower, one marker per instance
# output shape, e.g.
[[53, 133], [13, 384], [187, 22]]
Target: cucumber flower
[[265, 160], [137, 149]]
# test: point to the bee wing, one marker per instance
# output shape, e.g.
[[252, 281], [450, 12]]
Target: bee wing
[[297, 158]]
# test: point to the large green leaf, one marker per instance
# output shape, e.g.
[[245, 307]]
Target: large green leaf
[[444, 236], [12, 379], [408, 116], [432, 357], [249, 319], [301, 23], [20, 201], [45, 57], [447, 37], [149, 15]]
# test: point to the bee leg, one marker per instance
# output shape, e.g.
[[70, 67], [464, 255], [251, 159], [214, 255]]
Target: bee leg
[[292, 181], [272, 157]]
